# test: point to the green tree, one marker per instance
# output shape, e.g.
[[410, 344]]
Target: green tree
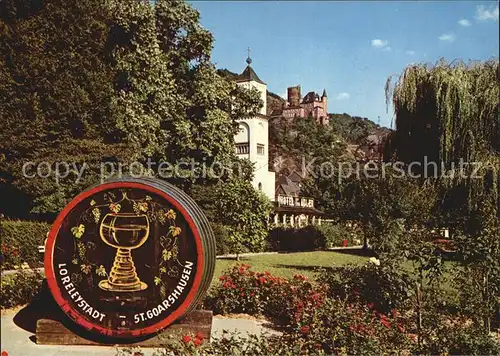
[[245, 211], [447, 113], [89, 82]]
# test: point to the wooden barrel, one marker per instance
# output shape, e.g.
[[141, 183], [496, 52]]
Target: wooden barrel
[[129, 257]]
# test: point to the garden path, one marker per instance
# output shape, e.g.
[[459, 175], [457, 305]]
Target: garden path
[[17, 341]]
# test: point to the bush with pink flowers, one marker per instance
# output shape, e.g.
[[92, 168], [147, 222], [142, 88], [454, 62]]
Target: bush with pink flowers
[[243, 290]]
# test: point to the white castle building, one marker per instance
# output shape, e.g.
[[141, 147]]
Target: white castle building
[[252, 141]]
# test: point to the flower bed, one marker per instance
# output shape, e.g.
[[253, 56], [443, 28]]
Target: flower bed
[[346, 310], [309, 315]]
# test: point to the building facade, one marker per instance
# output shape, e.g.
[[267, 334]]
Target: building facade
[[252, 140]]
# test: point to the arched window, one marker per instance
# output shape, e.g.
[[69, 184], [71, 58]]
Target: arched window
[[243, 135], [242, 139]]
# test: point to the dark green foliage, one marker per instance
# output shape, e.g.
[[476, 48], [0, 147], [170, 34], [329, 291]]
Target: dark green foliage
[[336, 234], [20, 241], [88, 82], [308, 238], [222, 238], [353, 129], [461, 340], [383, 286], [19, 288], [301, 141], [238, 212]]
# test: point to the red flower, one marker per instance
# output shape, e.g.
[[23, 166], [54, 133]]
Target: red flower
[[401, 328], [386, 323], [199, 335], [197, 342], [262, 280], [5, 353], [252, 294], [371, 305], [304, 329], [186, 338], [242, 294]]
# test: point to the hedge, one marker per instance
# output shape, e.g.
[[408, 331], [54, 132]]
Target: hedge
[[307, 238], [20, 241]]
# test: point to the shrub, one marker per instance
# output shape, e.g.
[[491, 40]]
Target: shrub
[[314, 322], [460, 338], [335, 234], [242, 290], [307, 238], [20, 241], [382, 285], [222, 241], [230, 343], [19, 288], [341, 327]]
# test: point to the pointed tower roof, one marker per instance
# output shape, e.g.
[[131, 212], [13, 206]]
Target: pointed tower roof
[[248, 74], [324, 94]]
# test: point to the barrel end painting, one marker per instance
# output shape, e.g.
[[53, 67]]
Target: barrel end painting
[[127, 258]]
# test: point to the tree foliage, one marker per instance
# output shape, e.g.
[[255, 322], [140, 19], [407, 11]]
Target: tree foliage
[[449, 113], [88, 82], [244, 211]]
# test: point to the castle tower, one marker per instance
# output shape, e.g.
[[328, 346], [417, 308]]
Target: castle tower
[[294, 96], [252, 140]]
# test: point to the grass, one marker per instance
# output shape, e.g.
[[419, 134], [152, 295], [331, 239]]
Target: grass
[[289, 264]]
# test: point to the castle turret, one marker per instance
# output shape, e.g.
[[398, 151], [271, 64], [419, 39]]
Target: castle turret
[[324, 100]]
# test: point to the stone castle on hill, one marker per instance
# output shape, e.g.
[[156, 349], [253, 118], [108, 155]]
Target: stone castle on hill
[[311, 105]]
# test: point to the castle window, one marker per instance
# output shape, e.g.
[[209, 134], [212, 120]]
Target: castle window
[[260, 149], [242, 148]]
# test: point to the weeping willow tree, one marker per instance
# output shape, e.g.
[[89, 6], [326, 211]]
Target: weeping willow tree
[[448, 113]]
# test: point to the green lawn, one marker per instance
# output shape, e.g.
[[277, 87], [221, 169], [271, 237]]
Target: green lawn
[[289, 264]]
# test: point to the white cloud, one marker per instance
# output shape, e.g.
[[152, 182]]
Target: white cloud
[[410, 53], [377, 43], [484, 14], [464, 22], [448, 37], [343, 96]]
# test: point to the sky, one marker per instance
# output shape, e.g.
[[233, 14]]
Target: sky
[[347, 48]]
